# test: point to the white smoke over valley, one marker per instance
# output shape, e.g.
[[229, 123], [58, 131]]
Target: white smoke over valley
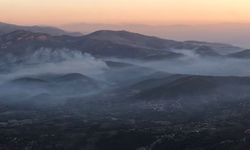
[[55, 76], [194, 64], [61, 61], [65, 61]]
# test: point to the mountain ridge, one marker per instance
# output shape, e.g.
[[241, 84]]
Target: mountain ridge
[[107, 43], [7, 28]]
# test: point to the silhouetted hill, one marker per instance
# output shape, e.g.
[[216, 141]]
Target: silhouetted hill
[[220, 48], [242, 54], [203, 86]]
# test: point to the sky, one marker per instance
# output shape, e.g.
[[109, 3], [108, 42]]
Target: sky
[[153, 12]]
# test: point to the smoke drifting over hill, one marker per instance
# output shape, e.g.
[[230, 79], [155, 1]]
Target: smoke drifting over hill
[[65, 61], [192, 63], [60, 61]]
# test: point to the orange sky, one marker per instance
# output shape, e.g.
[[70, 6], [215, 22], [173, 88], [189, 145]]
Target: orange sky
[[57, 12]]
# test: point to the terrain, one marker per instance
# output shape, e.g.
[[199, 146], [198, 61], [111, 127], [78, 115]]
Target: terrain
[[7, 28], [112, 90]]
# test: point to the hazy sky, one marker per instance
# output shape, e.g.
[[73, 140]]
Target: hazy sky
[[56, 12]]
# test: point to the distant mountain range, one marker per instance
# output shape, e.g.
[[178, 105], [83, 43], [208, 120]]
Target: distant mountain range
[[20, 40], [234, 33], [7, 28]]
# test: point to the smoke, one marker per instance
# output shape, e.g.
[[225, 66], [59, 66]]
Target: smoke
[[194, 64], [51, 76], [99, 77], [204, 66], [60, 61], [64, 61]]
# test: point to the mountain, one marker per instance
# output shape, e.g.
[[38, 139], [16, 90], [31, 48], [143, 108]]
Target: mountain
[[206, 51], [122, 44], [7, 28], [221, 48], [242, 54], [28, 80], [191, 87], [144, 41], [23, 42], [137, 40], [72, 76], [76, 81], [218, 32], [67, 84]]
